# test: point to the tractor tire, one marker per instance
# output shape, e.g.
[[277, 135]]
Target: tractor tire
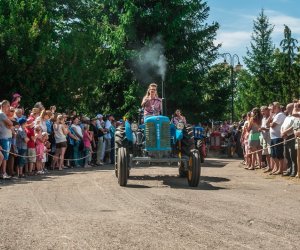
[[199, 145], [120, 141], [181, 170], [187, 142], [194, 169], [122, 166], [120, 137]]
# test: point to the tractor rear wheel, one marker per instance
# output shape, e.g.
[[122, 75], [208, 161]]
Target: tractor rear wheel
[[194, 169], [122, 164], [187, 142]]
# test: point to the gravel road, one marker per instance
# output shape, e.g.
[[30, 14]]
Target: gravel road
[[86, 209]]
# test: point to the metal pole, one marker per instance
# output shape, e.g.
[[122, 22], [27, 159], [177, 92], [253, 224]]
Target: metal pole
[[231, 61], [163, 97], [232, 93]]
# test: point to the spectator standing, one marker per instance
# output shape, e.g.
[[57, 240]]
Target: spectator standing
[[87, 138], [30, 144], [10, 168], [78, 132], [107, 137], [5, 135], [112, 134], [71, 140], [94, 131], [100, 145], [254, 140], [39, 148], [287, 133], [275, 122], [22, 140], [60, 132], [265, 139], [244, 141], [296, 127], [42, 119], [47, 146]]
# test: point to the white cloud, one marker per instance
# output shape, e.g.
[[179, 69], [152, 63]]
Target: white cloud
[[233, 39], [278, 19]]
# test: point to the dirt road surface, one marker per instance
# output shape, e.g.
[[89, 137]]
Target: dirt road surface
[[86, 209]]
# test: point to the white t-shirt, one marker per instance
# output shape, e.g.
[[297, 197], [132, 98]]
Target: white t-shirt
[[77, 129], [288, 123], [275, 131], [5, 133], [38, 121], [265, 133], [107, 126], [59, 133]]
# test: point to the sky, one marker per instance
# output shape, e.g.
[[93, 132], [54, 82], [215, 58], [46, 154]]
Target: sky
[[236, 17]]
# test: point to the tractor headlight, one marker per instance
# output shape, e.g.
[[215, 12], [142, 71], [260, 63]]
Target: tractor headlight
[[180, 125], [134, 127]]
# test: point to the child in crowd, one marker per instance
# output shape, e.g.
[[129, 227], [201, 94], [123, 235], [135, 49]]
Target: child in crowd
[[87, 138], [39, 146], [47, 146], [21, 143], [30, 145]]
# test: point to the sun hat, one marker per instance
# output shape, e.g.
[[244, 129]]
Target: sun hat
[[22, 120], [99, 116], [15, 95]]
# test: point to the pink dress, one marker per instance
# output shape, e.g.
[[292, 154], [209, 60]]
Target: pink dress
[[86, 140], [39, 147]]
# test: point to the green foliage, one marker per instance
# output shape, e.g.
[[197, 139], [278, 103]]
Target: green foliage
[[271, 74], [259, 62], [78, 54]]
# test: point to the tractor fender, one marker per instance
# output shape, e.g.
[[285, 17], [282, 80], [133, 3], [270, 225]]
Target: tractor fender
[[128, 131]]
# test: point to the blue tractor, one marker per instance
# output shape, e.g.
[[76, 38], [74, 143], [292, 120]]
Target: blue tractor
[[156, 141]]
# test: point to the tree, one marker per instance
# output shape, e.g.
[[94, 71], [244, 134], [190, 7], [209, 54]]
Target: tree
[[80, 54], [259, 62], [189, 48], [286, 63]]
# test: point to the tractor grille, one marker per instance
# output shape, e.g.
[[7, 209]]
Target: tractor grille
[[150, 135], [165, 137]]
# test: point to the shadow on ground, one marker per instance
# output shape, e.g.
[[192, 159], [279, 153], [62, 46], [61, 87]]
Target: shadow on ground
[[178, 182], [52, 174]]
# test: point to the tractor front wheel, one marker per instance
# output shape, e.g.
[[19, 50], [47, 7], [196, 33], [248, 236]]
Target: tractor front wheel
[[194, 169], [122, 166]]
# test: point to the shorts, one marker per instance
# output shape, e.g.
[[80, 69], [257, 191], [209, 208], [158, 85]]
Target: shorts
[[32, 155], [5, 144], [254, 144], [22, 161], [61, 144], [277, 151], [266, 147]]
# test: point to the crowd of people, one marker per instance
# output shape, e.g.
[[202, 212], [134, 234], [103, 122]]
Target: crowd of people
[[270, 137], [44, 139]]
